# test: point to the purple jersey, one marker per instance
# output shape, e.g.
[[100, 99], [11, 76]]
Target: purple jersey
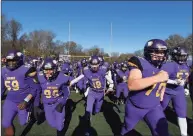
[[148, 97], [80, 70], [2, 86], [17, 83], [121, 76], [52, 91], [104, 68], [175, 71], [97, 80]]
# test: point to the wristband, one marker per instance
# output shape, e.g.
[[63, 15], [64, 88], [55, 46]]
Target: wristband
[[26, 99]]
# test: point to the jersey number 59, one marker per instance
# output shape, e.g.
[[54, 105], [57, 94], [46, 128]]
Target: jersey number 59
[[12, 84]]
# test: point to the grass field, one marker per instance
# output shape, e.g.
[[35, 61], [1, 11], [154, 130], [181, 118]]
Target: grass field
[[106, 123]]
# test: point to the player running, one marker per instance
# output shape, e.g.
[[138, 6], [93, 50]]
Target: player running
[[55, 92], [146, 84], [178, 71], [17, 79]]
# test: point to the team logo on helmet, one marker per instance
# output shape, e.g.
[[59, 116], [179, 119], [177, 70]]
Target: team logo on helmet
[[19, 54], [54, 61], [94, 61], [150, 43], [48, 65], [11, 56]]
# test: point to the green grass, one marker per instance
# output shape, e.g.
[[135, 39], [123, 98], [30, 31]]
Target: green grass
[[105, 123]]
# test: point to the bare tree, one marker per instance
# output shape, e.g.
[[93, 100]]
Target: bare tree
[[24, 41], [42, 40], [95, 50], [188, 44], [174, 40], [14, 28], [4, 28]]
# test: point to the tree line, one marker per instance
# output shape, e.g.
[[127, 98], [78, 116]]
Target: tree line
[[43, 43]]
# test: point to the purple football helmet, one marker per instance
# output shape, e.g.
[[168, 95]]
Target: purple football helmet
[[156, 51], [50, 68], [14, 59], [94, 63], [83, 62], [124, 66], [179, 55], [66, 68]]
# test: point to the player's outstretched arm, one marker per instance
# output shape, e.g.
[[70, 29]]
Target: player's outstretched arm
[[111, 85], [74, 81]]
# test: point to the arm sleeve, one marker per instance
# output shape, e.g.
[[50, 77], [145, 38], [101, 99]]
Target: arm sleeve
[[110, 81], [33, 86], [134, 63], [31, 70], [76, 79]]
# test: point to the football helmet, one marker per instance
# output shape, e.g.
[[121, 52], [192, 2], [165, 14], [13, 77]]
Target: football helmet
[[50, 68], [14, 59], [94, 63], [156, 51], [83, 62], [124, 66], [179, 55]]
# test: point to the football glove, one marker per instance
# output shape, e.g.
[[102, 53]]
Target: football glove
[[22, 105]]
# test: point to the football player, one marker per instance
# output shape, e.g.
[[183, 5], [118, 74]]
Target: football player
[[178, 71], [55, 92], [17, 78], [81, 85], [96, 77], [121, 79], [191, 87], [146, 88]]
